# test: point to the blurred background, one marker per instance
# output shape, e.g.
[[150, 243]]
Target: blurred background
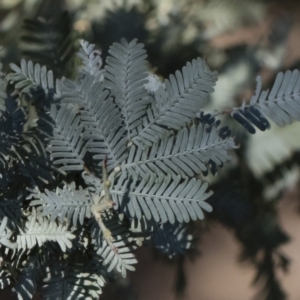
[[249, 247]]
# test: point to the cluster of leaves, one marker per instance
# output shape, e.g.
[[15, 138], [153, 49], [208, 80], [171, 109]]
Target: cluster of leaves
[[92, 168], [100, 141]]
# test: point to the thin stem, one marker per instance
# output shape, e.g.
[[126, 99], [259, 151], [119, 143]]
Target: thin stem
[[102, 203]]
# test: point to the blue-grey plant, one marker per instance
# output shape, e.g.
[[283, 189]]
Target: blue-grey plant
[[91, 168]]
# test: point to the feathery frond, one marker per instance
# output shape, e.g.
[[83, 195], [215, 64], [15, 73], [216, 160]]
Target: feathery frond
[[30, 76], [126, 73], [187, 153], [162, 198], [99, 116], [281, 104], [66, 143], [121, 257], [67, 203], [177, 103], [39, 230], [91, 59]]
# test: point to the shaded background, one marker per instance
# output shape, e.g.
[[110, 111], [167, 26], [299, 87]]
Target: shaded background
[[254, 228]]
